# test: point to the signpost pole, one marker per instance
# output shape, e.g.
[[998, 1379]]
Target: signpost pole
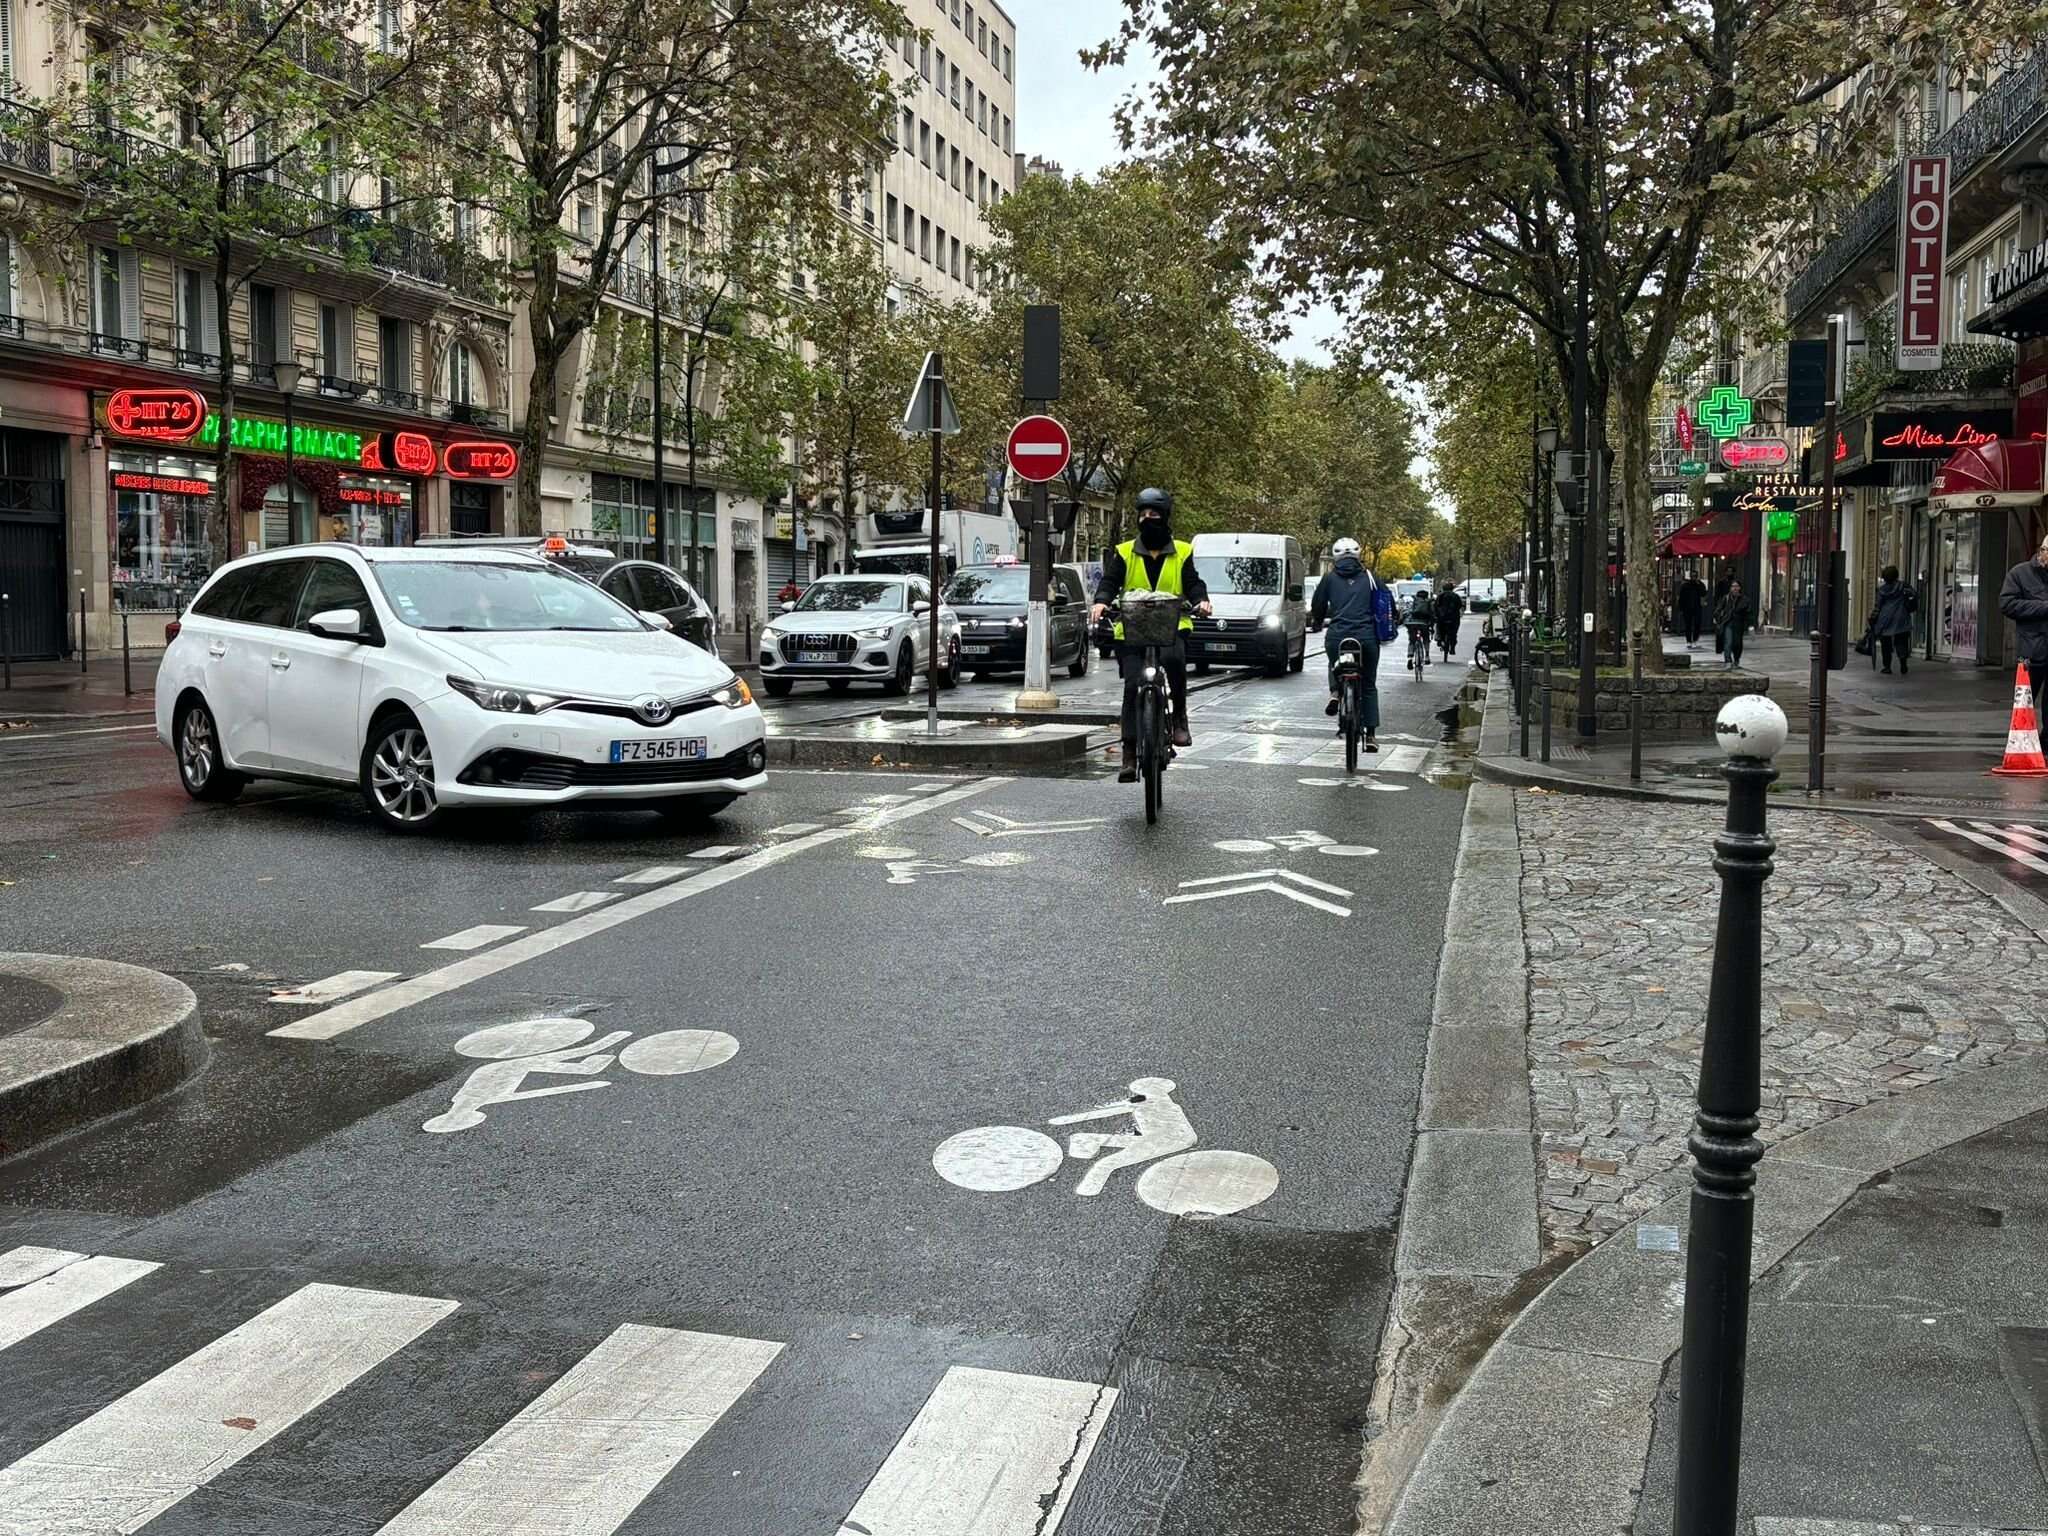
[[937, 382], [1038, 692], [1817, 707]]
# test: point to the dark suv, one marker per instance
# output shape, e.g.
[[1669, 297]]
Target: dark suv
[[645, 586], [993, 603]]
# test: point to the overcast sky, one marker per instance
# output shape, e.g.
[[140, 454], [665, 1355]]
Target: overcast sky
[[1065, 111]]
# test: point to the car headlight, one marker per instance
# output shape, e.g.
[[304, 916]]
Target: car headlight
[[502, 700], [735, 694], [1270, 621], [876, 632], [1016, 623]]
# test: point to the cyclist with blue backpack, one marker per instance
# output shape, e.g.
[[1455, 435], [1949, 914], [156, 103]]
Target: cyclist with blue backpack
[[1352, 604]]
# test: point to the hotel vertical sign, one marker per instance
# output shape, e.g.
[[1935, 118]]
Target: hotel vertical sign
[[1923, 245]]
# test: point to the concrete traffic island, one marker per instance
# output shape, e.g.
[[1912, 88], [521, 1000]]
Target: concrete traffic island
[[84, 1038]]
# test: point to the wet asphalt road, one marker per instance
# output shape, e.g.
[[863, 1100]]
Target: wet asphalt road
[[901, 972]]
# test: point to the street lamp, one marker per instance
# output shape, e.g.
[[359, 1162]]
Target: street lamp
[[1548, 439], [286, 373]]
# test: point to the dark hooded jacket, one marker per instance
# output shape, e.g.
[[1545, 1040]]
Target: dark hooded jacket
[[1345, 601]]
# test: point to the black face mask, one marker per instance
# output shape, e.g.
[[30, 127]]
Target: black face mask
[[1153, 533]]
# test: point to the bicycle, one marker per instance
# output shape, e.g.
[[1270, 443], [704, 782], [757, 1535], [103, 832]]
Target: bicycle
[[1418, 649], [1151, 622], [1351, 699]]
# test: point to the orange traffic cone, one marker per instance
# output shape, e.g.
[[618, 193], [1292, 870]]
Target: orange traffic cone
[[2023, 741]]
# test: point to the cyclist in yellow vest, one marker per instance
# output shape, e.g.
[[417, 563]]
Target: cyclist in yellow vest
[[1155, 561]]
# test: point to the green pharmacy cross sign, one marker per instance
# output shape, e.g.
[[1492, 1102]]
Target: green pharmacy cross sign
[[1726, 411]]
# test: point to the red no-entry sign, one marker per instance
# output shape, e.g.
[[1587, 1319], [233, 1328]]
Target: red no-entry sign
[[1039, 448]]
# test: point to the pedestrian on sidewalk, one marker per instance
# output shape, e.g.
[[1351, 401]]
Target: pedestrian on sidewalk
[[2024, 600], [1892, 620], [1733, 616], [1692, 604]]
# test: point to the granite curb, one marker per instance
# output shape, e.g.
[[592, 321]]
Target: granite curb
[[117, 1036]]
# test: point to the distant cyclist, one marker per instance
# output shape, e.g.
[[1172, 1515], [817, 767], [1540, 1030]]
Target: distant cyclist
[[1450, 608], [1350, 600]]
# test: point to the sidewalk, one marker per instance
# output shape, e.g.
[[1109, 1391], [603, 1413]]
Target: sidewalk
[[57, 690], [1898, 1358], [1927, 739]]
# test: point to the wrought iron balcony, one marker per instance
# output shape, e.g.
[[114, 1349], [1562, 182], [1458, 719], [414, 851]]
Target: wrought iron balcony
[[24, 138], [2004, 115]]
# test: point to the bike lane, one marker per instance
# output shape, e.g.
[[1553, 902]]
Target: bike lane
[[740, 1093]]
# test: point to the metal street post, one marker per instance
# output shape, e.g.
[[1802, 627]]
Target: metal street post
[[1039, 384], [127, 676], [1724, 1147], [936, 380], [1635, 708], [285, 374], [660, 480], [1591, 556], [1817, 705], [1546, 692], [81, 629], [7, 641]]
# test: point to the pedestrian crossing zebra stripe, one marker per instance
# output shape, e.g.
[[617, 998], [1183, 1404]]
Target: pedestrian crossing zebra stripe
[[982, 1454], [1317, 751], [2020, 844], [74, 1281], [182, 1428], [996, 1453], [584, 1454]]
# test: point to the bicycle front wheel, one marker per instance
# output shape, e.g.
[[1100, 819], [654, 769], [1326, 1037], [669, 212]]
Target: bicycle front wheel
[[1151, 749]]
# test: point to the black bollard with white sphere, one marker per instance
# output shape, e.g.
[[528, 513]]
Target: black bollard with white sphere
[[1724, 1147]]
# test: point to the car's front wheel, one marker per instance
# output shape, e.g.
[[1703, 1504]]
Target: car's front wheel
[[398, 776], [1078, 667], [906, 672], [777, 687], [201, 769], [949, 675]]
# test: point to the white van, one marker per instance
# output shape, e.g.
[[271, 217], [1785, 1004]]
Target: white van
[[1255, 583]]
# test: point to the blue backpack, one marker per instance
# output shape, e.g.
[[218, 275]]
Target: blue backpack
[[1383, 611]]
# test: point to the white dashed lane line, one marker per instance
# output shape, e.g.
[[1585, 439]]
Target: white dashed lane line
[[477, 937], [576, 901]]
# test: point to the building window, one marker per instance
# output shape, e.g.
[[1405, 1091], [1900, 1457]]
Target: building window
[[394, 353], [981, 118], [1009, 147], [956, 258], [924, 238], [956, 170], [461, 382], [909, 137], [390, 25], [969, 28], [924, 142], [198, 327], [956, 85], [981, 39], [8, 308], [940, 82], [586, 221], [867, 199], [924, 59], [116, 300], [264, 311], [1958, 299], [909, 50], [970, 271], [889, 218], [462, 222], [956, 12], [939, 147], [337, 337], [1006, 61]]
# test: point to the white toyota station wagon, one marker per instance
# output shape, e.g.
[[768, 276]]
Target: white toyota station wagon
[[435, 678]]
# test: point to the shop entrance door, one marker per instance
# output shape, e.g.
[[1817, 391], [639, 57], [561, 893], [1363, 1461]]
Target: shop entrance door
[[32, 544], [1955, 587]]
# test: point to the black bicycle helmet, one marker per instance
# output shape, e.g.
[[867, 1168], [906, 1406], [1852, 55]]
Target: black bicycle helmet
[[1153, 499]]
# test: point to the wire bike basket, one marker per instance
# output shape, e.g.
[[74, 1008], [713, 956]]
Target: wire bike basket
[[1151, 620]]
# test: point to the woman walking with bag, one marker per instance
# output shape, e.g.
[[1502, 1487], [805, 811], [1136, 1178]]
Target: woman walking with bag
[[1733, 616]]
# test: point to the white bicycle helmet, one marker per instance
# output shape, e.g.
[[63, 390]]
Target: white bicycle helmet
[[1344, 547]]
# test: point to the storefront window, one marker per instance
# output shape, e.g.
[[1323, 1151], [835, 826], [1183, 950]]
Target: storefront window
[[370, 510], [621, 515], [162, 504]]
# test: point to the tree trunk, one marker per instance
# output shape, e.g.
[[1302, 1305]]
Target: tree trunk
[[534, 431], [1632, 407]]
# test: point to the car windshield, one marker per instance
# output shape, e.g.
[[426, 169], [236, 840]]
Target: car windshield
[[990, 584], [475, 595], [1248, 575], [853, 597]]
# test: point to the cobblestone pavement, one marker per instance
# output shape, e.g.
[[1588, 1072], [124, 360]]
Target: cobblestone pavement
[[1882, 972]]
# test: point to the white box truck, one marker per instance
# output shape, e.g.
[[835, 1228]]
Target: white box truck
[[900, 542]]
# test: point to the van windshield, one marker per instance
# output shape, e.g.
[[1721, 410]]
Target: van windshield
[[1246, 575]]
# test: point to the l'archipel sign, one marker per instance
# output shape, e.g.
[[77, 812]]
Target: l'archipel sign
[[1923, 245]]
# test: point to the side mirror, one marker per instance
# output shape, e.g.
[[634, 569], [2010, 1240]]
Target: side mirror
[[788, 608], [1294, 593], [920, 608], [658, 620], [337, 624]]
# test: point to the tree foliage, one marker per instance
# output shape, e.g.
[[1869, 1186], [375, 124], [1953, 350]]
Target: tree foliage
[[1419, 162], [587, 115]]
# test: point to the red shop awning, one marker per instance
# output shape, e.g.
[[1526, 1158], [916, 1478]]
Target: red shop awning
[[1718, 534], [2001, 473]]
